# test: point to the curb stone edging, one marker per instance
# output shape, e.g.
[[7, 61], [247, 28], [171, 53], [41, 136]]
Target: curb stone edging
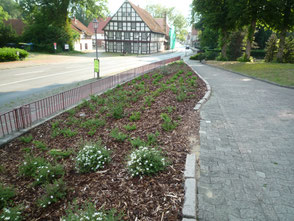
[[252, 77], [189, 207]]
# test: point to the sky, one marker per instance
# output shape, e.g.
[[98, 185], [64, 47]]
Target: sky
[[182, 6]]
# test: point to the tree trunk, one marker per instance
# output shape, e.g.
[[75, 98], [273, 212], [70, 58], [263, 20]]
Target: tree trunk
[[250, 35], [224, 43], [281, 45]]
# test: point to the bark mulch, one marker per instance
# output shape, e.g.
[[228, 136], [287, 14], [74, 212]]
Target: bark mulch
[[157, 197]]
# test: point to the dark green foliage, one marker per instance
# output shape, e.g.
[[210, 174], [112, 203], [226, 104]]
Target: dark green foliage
[[152, 139], [168, 124], [235, 46], [12, 54], [117, 111], [135, 116], [198, 56], [11, 213], [117, 135], [88, 211], [6, 194], [53, 193], [40, 145], [137, 142], [93, 123], [258, 54], [59, 153], [271, 48], [289, 50], [30, 165], [148, 100], [26, 139], [130, 127], [244, 58]]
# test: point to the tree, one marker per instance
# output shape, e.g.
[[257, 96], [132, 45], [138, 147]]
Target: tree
[[7, 34], [176, 19], [215, 15], [279, 16], [49, 20], [12, 8]]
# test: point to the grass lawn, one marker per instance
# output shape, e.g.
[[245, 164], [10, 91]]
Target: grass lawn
[[282, 74]]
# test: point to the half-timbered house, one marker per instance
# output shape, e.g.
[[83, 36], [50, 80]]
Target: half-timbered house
[[133, 30]]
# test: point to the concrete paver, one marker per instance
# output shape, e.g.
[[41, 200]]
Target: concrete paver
[[247, 149]]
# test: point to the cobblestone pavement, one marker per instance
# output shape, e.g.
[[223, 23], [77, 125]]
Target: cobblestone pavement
[[247, 149]]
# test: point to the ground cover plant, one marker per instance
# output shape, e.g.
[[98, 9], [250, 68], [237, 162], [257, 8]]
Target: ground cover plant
[[275, 72], [123, 151]]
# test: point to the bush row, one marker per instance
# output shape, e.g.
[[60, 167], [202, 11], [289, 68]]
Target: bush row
[[12, 54]]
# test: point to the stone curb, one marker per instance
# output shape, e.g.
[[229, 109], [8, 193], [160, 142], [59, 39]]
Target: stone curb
[[245, 75], [189, 207]]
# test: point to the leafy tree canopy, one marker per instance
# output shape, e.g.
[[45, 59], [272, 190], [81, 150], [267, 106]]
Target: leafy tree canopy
[[175, 18]]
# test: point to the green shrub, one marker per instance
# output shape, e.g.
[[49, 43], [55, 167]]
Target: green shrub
[[93, 123], [92, 157], [288, 53], [12, 54], [130, 127], [137, 142], [152, 139], [67, 132], [40, 145], [53, 193], [59, 153], [182, 95], [146, 161], [148, 100], [11, 213], [243, 58], [135, 116], [258, 54], [29, 167], [221, 58], [41, 170], [168, 124], [48, 173], [89, 212], [6, 194], [117, 111], [117, 135], [271, 48], [26, 139], [211, 55], [71, 112], [198, 56]]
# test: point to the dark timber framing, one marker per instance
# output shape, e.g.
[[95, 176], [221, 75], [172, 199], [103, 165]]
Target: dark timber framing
[[133, 30]]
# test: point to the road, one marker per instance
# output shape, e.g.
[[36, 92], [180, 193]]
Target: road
[[26, 84]]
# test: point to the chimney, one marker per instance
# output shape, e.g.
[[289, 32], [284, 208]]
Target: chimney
[[164, 22]]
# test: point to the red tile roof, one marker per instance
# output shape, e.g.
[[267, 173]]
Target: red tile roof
[[17, 25], [80, 27], [101, 24], [148, 19], [161, 22]]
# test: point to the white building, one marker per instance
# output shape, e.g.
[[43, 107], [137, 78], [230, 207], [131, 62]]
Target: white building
[[99, 32], [84, 42], [133, 30]]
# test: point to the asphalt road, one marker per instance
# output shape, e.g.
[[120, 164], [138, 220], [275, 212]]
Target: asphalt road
[[26, 84]]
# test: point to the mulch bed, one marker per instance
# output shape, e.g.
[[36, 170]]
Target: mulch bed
[[157, 197]]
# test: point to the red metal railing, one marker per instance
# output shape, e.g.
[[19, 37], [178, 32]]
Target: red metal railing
[[26, 115]]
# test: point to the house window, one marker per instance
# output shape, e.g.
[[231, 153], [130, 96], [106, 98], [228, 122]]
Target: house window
[[127, 35], [118, 35], [133, 26], [144, 36], [110, 35], [120, 25], [110, 46], [136, 36], [86, 46], [144, 48]]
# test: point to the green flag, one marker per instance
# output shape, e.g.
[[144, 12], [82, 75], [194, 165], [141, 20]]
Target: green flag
[[172, 36]]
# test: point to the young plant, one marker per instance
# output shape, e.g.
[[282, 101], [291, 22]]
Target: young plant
[[168, 124], [117, 135], [6, 194], [181, 96], [48, 173], [59, 153], [135, 116], [26, 139], [146, 161], [67, 132], [53, 193], [130, 127], [93, 123], [117, 111], [89, 212], [152, 139], [71, 112], [92, 157], [40, 145], [11, 213], [29, 167], [92, 131], [148, 100], [137, 142]]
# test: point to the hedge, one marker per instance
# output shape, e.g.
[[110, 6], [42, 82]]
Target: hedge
[[10, 54]]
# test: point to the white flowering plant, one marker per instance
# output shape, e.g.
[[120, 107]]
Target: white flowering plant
[[92, 157], [11, 213], [6, 194], [89, 213], [146, 161], [53, 193]]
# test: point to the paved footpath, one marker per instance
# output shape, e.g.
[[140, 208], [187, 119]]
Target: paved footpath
[[247, 149]]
